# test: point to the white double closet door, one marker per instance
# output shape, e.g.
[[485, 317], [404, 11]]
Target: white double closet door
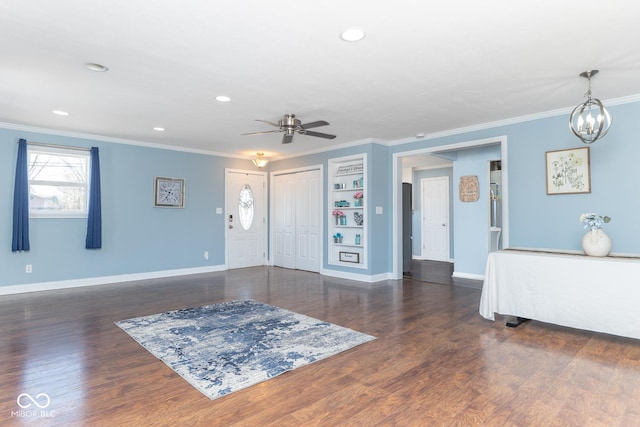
[[297, 218]]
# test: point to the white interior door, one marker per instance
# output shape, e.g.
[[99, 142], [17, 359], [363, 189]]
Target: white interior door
[[297, 220], [435, 218], [245, 219], [308, 220], [284, 215]]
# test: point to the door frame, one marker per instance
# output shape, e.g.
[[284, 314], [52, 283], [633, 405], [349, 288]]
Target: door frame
[[272, 224], [396, 188], [422, 216], [265, 191]]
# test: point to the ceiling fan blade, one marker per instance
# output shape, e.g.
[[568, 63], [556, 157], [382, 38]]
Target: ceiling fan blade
[[318, 134], [314, 124], [286, 139], [260, 133], [268, 122]]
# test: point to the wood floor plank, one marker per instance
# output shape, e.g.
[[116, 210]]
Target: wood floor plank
[[435, 361]]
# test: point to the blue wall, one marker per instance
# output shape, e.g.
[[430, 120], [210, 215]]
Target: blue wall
[[471, 237], [137, 238], [538, 220]]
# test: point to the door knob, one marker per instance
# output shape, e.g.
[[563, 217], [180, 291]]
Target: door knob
[[230, 226]]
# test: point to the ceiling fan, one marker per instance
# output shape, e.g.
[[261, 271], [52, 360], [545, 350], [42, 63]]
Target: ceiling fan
[[290, 126]]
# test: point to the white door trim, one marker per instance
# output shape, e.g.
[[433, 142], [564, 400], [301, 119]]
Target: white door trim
[[396, 196], [227, 171]]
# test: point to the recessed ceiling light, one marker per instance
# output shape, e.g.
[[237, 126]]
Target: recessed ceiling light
[[98, 68], [352, 34], [223, 98], [159, 129], [60, 112]]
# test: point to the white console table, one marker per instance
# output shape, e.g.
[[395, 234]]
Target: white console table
[[568, 289]]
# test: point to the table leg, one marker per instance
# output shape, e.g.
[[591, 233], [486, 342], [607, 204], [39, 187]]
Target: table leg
[[516, 322]]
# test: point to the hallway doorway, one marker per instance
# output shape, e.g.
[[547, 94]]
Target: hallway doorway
[[438, 272]]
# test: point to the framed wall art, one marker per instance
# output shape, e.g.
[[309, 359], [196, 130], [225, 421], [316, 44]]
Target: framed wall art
[[568, 171], [468, 188], [168, 192]]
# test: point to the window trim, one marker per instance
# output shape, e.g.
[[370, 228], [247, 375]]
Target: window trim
[[61, 151]]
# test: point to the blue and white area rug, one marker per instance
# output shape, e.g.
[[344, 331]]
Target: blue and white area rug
[[226, 347]]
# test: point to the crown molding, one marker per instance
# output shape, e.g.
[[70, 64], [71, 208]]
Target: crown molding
[[510, 121], [102, 138]]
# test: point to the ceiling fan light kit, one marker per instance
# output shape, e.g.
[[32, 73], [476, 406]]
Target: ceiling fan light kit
[[590, 120], [290, 126]]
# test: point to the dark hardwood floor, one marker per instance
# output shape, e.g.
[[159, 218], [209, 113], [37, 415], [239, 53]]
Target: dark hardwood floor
[[438, 272], [435, 361]]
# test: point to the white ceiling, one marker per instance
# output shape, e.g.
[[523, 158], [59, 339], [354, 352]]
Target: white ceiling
[[423, 66]]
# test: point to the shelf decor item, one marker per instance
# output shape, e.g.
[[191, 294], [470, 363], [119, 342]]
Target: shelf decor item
[[358, 218], [349, 257], [595, 242], [350, 169], [358, 198]]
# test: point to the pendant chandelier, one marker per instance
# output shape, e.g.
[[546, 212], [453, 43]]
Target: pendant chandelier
[[590, 121]]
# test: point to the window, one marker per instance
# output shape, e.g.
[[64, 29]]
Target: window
[[58, 182], [245, 207]]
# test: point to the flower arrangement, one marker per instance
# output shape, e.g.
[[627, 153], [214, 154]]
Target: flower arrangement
[[358, 195], [338, 213], [593, 221]]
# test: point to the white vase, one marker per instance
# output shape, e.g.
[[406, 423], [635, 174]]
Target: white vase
[[596, 243]]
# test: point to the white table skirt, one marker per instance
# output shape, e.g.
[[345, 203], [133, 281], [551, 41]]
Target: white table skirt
[[592, 293]]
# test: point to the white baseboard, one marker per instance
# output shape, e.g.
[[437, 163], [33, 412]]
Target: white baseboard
[[105, 280], [356, 276], [468, 276], [94, 281]]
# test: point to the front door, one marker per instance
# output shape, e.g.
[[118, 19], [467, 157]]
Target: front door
[[245, 218]]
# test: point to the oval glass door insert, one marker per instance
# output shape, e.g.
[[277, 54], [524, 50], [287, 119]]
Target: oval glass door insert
[[245, 207]]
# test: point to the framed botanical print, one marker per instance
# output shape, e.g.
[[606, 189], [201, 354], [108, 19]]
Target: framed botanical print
[[568, 171], [168, 192]]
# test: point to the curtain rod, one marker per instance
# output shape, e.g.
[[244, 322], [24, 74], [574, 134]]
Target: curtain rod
[[68, 147]]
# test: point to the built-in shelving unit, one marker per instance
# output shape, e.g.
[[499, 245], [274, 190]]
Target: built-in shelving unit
[[347, 214]]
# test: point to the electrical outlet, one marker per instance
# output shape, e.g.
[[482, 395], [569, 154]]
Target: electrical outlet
[[206, 254], [28, 268]]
